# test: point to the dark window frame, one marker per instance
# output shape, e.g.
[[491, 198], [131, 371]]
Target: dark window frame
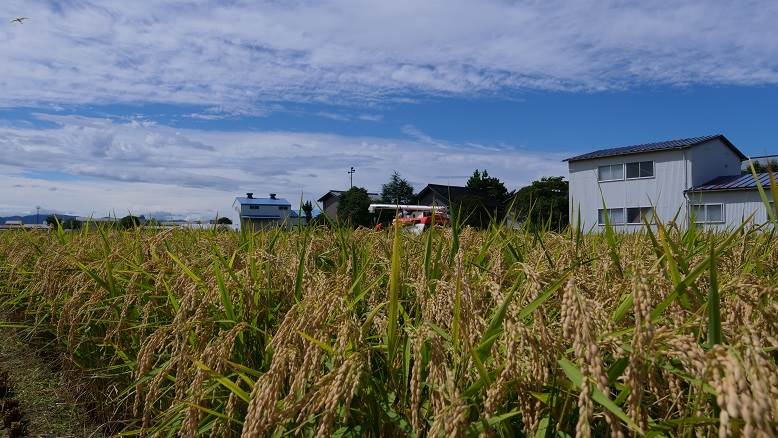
[[602, 223], [705, 210], [623, 172], [640, 166], [641, 210]]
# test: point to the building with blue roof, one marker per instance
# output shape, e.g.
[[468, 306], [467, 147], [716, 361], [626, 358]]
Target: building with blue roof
[[692, 179], [258, 213]]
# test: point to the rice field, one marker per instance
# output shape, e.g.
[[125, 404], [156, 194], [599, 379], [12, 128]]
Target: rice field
[[456, 332]]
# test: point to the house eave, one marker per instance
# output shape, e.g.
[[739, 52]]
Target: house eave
[[734, 189], [720, 137]]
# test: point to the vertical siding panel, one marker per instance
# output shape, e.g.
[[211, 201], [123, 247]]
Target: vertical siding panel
[[665, 191], [674, 172], [712, 159], [738, 204]]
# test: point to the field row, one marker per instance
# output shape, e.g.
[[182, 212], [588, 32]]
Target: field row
[[455, 332]]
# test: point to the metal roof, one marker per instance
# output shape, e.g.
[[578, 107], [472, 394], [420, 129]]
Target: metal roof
[[733, 182], [452, 193], [455, 194], [658, 146], [373, 196], [262, 201]]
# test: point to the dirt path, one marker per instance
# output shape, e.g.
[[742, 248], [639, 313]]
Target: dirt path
[[39, 392]]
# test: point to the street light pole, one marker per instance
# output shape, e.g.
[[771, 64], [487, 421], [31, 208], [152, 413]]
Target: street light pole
[[351, 176], [37, 214]]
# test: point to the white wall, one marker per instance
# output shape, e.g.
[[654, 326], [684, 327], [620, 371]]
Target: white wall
[[267, 210], [738, 205], [710, 160], [331, 207], [665, 191]]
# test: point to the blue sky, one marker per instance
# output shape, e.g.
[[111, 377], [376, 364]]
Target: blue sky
[[177, 107]]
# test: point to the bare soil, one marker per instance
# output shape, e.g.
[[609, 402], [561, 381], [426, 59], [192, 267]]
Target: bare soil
[[37, 399]]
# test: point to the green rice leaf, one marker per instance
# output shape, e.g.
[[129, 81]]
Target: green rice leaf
[[394, 293], [714, 314], [574, 374]]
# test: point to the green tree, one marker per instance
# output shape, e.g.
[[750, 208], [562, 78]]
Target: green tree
[[488, 186], [51, 220], [308, 210], [320, 220], [485, 201], [129, 221], [72, 224], [544, 202], [761, 168], [67, 224], [224, 221], [397, 191], [353, 207], [474, 210]]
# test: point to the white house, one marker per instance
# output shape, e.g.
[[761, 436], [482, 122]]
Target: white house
[[696, 178], [263, 212]]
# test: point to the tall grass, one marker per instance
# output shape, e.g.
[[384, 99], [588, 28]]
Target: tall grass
[[455, 332]]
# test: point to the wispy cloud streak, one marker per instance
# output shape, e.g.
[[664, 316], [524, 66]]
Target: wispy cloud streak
[[242, 55]]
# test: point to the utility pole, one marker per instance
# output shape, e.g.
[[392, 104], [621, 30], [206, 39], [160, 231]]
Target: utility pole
[[37, 214], [351, 176]]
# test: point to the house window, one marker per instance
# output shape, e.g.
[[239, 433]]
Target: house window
[[635, 215], [640, 169], [708, 213], [610, 172], [283, 207], [253, 207], [615, 216]]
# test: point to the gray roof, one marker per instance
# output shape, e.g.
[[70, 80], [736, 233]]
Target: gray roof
[[337, 193], [733, 182], [682, 143], [455, 194], [262, 201]]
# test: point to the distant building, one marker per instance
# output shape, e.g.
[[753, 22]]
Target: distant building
[[11, 224], [437, 194], [259, 213], [19, 224], [329, 202], [683, 180], [295, 218], [762, 161]]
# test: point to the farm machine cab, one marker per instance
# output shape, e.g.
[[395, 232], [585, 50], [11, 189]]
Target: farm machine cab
[[413, 218]]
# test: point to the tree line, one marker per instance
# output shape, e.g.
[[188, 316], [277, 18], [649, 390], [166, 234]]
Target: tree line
[[126, 222], [543, 203], [759, 167]]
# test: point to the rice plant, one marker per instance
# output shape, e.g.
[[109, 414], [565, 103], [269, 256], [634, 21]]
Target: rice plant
[[456, 332]]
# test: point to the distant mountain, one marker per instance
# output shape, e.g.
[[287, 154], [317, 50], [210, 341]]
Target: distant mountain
[[33, 219]]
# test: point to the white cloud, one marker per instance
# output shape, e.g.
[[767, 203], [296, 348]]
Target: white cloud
[[90, 165], [371, 117], [241, 55], [333, 116]]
